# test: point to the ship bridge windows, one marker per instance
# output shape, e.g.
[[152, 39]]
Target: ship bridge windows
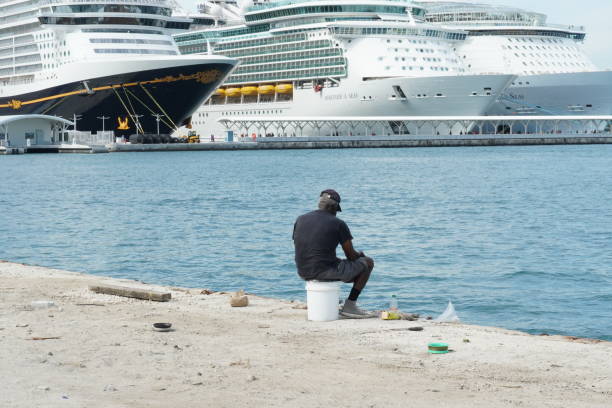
[[260, 42], [120, 30], [356, 8], [133, 51], [290, 56], [311, 73], [536, 33], [128, 41], [271, 49], [285, 66], [110, 20], [369, 31], [112, 8]]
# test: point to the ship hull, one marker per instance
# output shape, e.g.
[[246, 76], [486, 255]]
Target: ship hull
[[128, 93], [469, 95], [580, 93]]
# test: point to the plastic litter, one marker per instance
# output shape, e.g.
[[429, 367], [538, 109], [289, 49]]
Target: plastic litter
[[393, 304], [239, 299], [42, 304], [449, 315]]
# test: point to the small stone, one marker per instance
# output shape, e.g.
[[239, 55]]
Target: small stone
[[22, 325], [49, 353], [44, 387], [251, 378], [110, 388]]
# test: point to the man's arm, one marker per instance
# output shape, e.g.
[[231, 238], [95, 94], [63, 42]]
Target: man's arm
[[350, 252]]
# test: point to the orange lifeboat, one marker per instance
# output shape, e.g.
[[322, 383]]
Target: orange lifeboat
[[284, 88], [248, 90], [231, 92], [266, 89]]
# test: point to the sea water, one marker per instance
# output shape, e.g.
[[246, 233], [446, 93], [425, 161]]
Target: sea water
[[516, 237]]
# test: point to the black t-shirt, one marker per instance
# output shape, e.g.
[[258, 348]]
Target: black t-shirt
[[316, 236]]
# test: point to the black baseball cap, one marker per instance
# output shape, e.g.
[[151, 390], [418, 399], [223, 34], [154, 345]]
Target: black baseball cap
[[333, 194]]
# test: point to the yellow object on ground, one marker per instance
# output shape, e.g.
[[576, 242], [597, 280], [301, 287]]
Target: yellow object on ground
[[390, 316]]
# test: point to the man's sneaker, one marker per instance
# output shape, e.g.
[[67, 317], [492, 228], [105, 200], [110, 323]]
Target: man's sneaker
[[351, 311]]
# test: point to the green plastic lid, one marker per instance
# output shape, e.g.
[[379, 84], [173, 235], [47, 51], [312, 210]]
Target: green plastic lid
[[437, 348]]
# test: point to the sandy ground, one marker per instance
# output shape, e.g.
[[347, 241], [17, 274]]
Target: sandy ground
[[266, 355]]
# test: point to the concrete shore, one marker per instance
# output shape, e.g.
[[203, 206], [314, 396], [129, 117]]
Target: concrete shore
[[328, 142], [355, 142], [93, 350]]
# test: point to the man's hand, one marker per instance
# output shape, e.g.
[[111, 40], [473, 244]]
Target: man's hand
[[350, 252]]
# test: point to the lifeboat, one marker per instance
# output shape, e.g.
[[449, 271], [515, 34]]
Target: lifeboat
[[284, 88], [266, 89], [220, 92], [232, 92], [248, 90]]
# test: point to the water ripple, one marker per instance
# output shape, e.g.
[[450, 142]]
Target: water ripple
[[516, 237]]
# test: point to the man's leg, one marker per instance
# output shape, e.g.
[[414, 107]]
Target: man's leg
[[350, 308], [361, 280]]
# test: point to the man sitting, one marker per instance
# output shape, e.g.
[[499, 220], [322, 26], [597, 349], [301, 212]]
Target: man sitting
[[316, 236]]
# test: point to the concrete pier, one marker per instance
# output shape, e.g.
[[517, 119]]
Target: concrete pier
[[334, 142]]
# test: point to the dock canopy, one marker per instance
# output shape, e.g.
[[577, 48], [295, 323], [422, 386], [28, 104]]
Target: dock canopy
[[29, 130]]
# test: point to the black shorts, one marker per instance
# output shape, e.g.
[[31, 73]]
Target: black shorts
[[347, 271]]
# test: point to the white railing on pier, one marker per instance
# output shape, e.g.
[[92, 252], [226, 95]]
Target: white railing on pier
[[251, 128], [92, 139]]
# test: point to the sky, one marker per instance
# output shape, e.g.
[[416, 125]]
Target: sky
[[593, 14]]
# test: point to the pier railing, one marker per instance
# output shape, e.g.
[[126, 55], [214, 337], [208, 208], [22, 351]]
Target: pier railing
[[91, 139], [472, 127]]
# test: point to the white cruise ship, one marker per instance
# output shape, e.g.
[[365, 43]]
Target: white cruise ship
[[339, 58], [555, 76], [110, 64]]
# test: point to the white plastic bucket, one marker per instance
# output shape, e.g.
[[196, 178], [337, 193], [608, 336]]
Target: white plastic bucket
[[322, 299]]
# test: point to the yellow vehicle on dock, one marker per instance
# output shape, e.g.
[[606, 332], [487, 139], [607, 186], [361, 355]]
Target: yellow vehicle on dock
[[193, 137]]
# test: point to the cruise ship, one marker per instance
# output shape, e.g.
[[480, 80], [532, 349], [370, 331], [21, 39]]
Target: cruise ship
[[555, 76], [108, 64], [349, 58]]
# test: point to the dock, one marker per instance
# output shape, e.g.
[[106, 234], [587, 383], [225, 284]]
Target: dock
[[331, 142], [282, 133]]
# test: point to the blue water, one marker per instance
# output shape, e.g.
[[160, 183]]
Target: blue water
[[517, 237]]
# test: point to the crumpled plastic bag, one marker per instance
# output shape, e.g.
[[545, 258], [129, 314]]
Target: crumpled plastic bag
[[239, 299], [449, 315]]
